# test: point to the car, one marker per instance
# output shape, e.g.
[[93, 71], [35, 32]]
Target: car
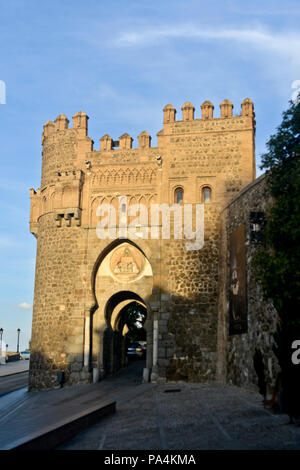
[[25, 355], [136, 350]]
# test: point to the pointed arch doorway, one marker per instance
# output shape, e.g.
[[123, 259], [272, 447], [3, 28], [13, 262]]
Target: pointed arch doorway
[[123, 279]]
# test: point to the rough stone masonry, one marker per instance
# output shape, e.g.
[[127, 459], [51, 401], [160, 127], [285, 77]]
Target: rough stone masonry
[[83, 283]]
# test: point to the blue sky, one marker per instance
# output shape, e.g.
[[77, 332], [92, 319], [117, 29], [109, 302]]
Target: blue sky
[[121, 62]]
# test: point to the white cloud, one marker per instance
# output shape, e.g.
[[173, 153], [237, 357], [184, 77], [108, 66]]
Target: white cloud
[[287, 44], [24, 306]]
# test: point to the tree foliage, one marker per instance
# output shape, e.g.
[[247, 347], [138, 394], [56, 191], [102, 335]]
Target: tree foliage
[[135, 318], [277, 265]]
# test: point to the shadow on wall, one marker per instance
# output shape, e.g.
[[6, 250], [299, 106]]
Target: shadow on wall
[[188, 347], [47, 373], [186, 350]]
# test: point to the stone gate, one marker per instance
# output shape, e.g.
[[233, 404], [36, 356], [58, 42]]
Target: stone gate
[[84, 280]]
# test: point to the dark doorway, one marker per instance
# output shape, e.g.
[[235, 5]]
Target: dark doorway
[[125, 339]]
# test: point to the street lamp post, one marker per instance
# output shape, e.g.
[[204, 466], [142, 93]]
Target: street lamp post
[[1, 333], [18, 331]]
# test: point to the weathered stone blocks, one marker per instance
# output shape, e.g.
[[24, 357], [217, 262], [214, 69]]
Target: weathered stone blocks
[[78, 293]]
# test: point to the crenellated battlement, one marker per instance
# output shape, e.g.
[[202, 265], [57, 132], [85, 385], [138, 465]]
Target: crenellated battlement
[[71, 148], [207, 109], [61, 128]]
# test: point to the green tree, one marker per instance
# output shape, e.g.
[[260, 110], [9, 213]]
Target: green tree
[[135, 318], [277, 265]]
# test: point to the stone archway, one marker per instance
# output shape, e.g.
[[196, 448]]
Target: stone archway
[[118, 326], [123, 275]]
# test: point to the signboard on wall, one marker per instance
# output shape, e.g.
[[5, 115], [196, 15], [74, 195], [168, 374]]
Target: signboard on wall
[[238, 282]]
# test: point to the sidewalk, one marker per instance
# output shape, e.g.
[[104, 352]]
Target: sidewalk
[[23, 413], [190, 416], [14, 367], [179, 416]]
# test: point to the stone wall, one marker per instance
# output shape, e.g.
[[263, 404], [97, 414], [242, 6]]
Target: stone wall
[[70, 314], [58, 314], [193, 284], [235, 352]]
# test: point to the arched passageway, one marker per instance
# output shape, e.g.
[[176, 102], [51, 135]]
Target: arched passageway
[[125, 327], [123, 283]]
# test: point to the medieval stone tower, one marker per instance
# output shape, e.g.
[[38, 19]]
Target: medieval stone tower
[[83, 281]]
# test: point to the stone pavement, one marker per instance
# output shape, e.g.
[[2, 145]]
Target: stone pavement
[[179, 416], [14, 367], [198, 417]]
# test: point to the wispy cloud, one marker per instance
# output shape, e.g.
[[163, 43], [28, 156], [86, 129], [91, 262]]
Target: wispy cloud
[[24, 306], [286, 44]]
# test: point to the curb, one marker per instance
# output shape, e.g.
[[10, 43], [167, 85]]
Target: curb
[[50, 437], [3, 394], [15, 373]]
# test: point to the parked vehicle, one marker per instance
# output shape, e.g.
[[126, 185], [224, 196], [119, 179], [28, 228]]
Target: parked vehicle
[[25, 355], [136, 350]]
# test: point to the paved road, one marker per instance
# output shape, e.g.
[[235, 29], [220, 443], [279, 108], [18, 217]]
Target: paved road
[[13, 382]]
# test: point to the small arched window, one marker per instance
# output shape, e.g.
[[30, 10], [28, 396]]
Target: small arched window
[[206, 194], [178, 195], [123, 207]]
